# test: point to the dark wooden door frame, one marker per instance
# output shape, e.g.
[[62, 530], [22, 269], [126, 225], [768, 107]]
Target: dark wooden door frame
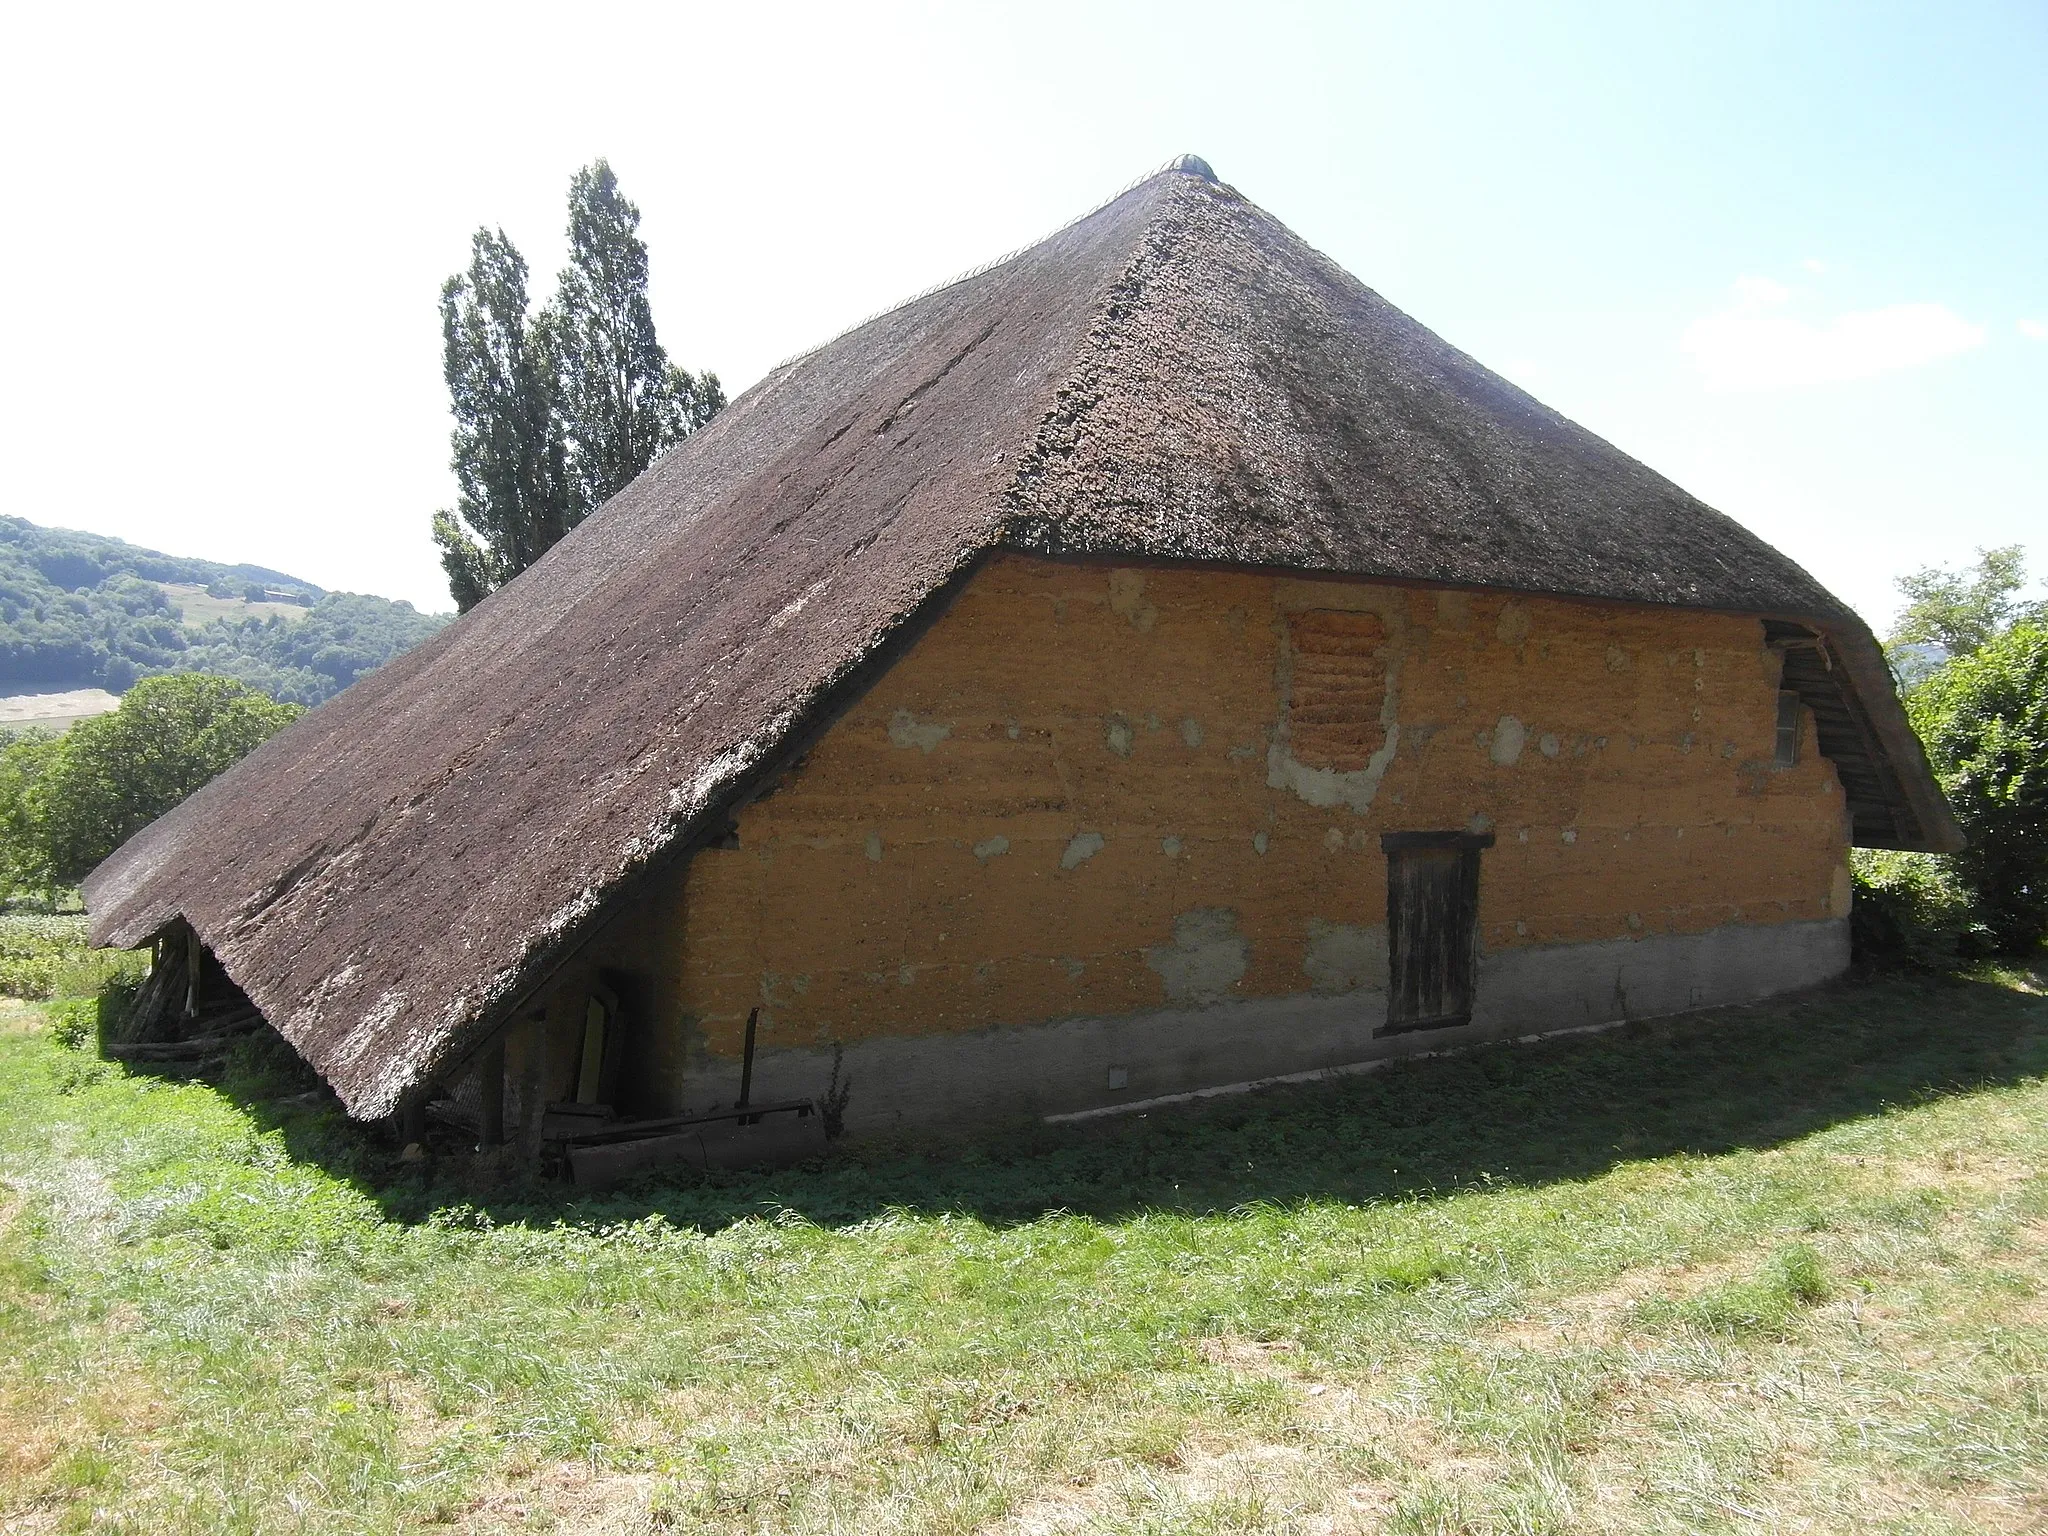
[[1432, 955]]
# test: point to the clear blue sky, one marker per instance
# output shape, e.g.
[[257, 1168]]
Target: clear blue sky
[[1795, 257]]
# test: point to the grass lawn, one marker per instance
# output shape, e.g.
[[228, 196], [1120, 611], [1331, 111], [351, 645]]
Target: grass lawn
[[1771, 1269]]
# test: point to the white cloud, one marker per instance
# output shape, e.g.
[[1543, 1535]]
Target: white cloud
[[1758, 343], [1814, 265], [2034, 330]]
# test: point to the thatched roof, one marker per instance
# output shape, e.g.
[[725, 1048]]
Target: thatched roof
[[1173, 377]]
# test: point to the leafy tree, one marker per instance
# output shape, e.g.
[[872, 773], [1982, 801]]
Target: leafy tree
[[24, 853], [65, 804], [1984, 717], [620, 401], [554, 415], [1961, 611], [510, 468]]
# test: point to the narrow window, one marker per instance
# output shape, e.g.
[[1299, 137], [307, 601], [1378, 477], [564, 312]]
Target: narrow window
[[1789, 711], [1432, 927]]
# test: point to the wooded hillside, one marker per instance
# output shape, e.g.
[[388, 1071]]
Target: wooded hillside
[[82, 610]]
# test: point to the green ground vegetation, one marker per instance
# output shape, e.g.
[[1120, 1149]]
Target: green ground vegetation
[[1781, 1268], [44, 955]]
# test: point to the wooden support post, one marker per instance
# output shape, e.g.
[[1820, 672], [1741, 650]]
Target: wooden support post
[[412, 1123], [195, 954], [491, 1082], [747, 1065]]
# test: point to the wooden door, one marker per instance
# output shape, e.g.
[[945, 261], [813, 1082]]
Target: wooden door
[[1432, 927]]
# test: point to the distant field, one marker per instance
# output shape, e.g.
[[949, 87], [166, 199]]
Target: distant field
[[191, 600], [53, 711], [1771, 1269]]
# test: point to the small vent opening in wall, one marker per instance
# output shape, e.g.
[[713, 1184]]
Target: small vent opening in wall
[[1338, 688], [1432, 927]]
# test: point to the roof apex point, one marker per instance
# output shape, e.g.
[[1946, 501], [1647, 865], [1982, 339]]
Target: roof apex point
[[1193, 165]]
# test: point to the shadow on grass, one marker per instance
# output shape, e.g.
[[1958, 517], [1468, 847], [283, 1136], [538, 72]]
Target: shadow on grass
[[1512, 1114]]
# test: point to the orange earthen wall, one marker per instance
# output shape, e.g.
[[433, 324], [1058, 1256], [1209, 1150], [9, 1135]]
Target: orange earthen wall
[[1093, 791]]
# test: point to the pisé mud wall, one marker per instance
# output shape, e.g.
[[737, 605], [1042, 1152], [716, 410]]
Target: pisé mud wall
[[1107, 834]]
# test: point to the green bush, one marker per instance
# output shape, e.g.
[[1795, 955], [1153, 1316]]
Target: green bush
[[33, 950], [74, 1022], [1984, 718], [45, 957], [1912, 909], [109, 976]]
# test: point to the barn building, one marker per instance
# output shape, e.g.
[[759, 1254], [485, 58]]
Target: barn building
[[1149, 664]]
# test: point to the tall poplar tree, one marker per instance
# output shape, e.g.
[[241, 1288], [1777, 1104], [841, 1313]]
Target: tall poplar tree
[[620, 401], [553, 416], [510, 466]]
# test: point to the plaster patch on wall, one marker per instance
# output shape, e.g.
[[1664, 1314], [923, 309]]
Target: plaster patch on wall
[[1841, 891], [1083, 847], [907, 731], [874, 849], [1342, 957], [1191, 732], [1549, 745], [994, 847], [1117, 735], [1170, 846], [1326, 786], [1260, 842], [1509, 735], [1513, 627], [1206, 959], [1127, 597]]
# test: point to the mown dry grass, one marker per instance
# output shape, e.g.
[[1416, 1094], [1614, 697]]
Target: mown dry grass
[[1776, 1269], [197, 609]]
